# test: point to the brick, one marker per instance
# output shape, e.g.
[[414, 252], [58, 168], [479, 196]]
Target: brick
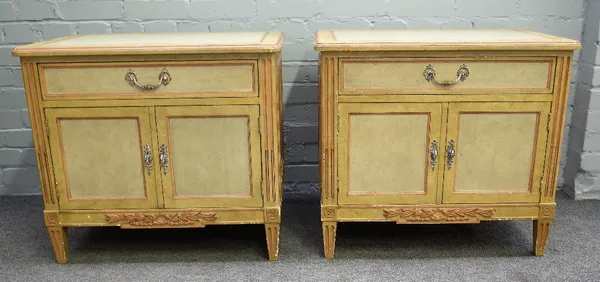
[[294, 73], [423, 24], [593, 122], [301, 173], [159, 27], [302, 190], [298, 52], [17, 138], [21, 33], [55, 30], [425, 8], [538, 25], [590, 162], [12, 99], [300, 133], [3, 188], [313, 73], [591, 31], [90, 10], [294, 31], [259, 25], [10, 119], [225, 26], [307, 113], [594, 101], [93, 28], [25, 118], [354, 8], [29, 156], [11, 157], [126, 27], [299, 94], [6, 57], [293, 153], [486, 8], [6, 77], [222, 9], [156, 10], [287, 8], [192, 27], [8, 12], [18, 77], [36, 10], [396, 24], [591, 142], [27, 177], [312, 153], [354, 23], [566, 9], [565, 28], [457, 24]]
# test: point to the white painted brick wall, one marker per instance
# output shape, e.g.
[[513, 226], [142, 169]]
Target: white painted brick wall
[[24, 21]]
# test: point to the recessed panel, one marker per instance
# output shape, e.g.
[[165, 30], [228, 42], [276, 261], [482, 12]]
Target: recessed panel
[[102, 158], [387, 153], [495, 152], [211, 156]]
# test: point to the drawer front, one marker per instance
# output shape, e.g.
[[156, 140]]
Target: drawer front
[[446, 75], [149, 80]]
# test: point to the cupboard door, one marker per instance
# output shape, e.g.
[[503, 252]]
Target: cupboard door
[[212, 156], [98, 157], [499, 152], [384, 152]]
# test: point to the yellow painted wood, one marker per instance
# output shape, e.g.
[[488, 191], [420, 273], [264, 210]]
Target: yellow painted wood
[[156, 44], [499, 152], [384, 153], [248, 75], [214, 156], [514, 100], [189, 79], [405, 75], [97, 157], [434, 40]]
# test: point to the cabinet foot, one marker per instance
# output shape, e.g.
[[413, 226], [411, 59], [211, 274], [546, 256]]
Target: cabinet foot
[[272, 232], [58, 236], [541, 230], [329, 229]]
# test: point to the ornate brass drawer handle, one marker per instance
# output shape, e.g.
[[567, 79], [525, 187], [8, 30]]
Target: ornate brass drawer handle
[[148, 158], [461, 75], [433, 154], [164, 77], [451, 153], [164, 158]]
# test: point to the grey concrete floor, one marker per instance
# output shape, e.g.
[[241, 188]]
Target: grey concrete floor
[[490, 251]]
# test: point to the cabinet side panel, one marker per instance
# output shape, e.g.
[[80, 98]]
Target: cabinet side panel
[[327, 128]]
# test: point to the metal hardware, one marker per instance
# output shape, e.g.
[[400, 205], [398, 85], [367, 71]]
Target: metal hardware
[[164, 158], [461, 75], [433, 154], [451, 153], [163, 79], [148, 158]]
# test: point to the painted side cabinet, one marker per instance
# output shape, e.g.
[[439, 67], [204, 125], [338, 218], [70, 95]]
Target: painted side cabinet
[[441, 126], [157, 130]]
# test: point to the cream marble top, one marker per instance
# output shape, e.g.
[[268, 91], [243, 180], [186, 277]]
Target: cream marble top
[[458, 39], [156, 43]]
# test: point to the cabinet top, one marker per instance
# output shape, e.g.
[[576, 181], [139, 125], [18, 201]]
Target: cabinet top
[[155, 43], [439, 40]]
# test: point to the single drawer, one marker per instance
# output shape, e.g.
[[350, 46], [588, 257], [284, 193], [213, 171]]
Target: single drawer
[[149, 80], [446, 75]]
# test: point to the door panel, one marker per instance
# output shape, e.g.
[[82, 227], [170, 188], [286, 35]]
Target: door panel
[[214, 156], [384, 152], [98, 157], [499, 152]]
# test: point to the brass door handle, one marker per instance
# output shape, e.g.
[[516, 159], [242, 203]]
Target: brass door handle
[[450, 153], [461, 75], [433, 154], [164, 158], [164, 77], [148, 158]]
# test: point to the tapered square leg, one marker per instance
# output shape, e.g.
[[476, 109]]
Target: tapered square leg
[[272, 232], [329, 229], [541, 231], [58, 236]]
